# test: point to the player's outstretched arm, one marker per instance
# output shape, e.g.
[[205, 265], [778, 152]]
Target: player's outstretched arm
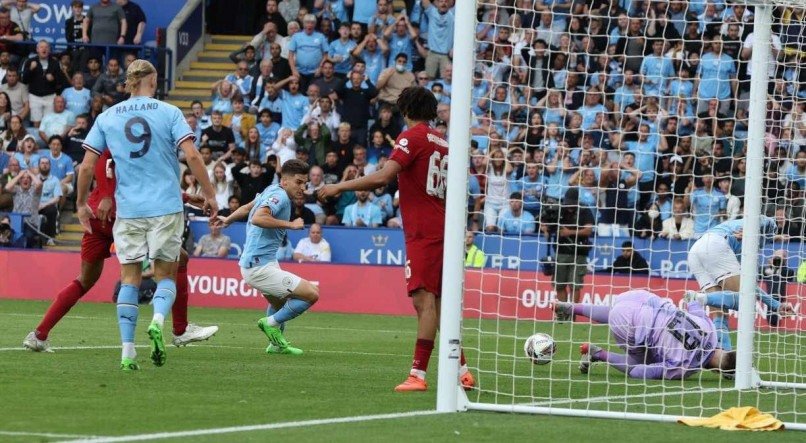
[[196, 166], [366, 183], [237, 215], [85, 174], [264, 219]]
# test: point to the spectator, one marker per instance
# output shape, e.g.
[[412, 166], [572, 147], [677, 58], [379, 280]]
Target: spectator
[[233, 203], [362, 213], [239, 122], [706, 203], [261, 78], [77, 97], [373, 53], [315, 139], [11, 170], [27, 190], [656, 70], [222, 94], [5, 110], [440, 35], [61, 166], [7, 234], [284, 148], [135, 22], [299, 210], [253, 145], [497, 190], [514, 220], [50, 198], [73, 33], [27, 153], [679, 226], [776, 276], [106, 86], [58, 122], [214, 244], [202, 119], [716, 78], [355, 102], [5, 65], [17, 93], [108, 23], [218, 137], [207, 158], [21, 13], [474, 257], [340, 52], [268, 131], [393, 80], [324, 114], [381, 198], [93, 72], [197, 132], [327, 82], [41, 74], [223, 183], [254, 181], [733, 206], [400, 39], [332, 169], [629, 262], [273, 16], [281, 69], [313, 248], [293, 103], [361, 162], [306, 51], [10, 34], [241, 80], [75, 138]]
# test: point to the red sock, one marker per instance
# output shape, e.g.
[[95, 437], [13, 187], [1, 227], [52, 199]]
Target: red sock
[[179, 311], [66, 299], [462, 360], [422, 353]]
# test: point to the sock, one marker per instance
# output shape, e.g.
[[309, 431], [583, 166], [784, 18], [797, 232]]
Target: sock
[[179, 311], [163, 299], [292, 309], [422, 353], [66, 299], [599, 314], [722, 332], [127, 317], [271, 311], [129, 351]]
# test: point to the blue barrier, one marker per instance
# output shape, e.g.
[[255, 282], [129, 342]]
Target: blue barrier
[[387, 247]]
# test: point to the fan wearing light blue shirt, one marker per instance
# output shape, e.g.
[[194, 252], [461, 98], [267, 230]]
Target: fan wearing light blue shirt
[[143, 135], [717, 76], [78, 97], [514, 220], [307, 48], [400, 39], [706, 204], [657, 70], [268, 218], [294, 105], [339, 51], [362, 213], [441, 18], [373, 52]]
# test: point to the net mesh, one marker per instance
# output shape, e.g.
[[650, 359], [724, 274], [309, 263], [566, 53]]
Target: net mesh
[[608, 136]]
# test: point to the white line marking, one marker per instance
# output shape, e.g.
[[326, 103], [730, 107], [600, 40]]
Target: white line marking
[[45, 434], [16, 314], [263, 427], [70, 348], [315, 351]]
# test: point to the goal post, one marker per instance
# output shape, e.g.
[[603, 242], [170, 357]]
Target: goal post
[[535, 110]]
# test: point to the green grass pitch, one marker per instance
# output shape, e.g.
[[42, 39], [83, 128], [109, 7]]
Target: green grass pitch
[[351, 365]]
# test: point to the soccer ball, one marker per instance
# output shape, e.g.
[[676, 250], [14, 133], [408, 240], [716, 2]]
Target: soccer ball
[[540, 348]]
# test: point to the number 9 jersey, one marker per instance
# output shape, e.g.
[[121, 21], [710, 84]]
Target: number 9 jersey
[[142, 135], [422, 154]]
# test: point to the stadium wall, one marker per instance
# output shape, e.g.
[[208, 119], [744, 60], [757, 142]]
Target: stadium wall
[[365, 289]]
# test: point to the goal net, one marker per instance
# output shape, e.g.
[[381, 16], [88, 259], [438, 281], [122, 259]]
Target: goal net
[[607, 137]]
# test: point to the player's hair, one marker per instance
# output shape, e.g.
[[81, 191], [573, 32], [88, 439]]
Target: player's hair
[[728, 362], [294, 167], [137, 71], [417, 103]]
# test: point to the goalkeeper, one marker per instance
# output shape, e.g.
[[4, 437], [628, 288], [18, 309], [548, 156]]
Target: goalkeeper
[[662, 341], [714, 261]]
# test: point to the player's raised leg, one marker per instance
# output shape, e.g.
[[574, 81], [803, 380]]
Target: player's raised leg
[[300, 299]]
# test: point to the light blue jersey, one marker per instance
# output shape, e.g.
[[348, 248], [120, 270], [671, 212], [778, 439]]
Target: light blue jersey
[[293, 108], [729, 229], [338, 48], [78, 102], [262, 244], [309, 50], [142, 135]]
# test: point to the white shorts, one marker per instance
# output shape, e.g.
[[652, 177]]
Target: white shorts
[[269, 279], [159, 238], [711, 260], [491, 213], [40, 106]]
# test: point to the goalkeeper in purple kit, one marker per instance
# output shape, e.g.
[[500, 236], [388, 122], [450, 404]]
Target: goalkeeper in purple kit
[[661, 341]]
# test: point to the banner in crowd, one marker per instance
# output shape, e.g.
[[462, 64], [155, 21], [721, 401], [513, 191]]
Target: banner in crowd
[[489, 293], [48, 23], [365, 246]]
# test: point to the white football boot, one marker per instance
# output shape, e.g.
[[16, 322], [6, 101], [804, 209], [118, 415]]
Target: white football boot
[[194, 333]]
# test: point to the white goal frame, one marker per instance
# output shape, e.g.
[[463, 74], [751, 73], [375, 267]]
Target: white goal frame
[[450, 396]]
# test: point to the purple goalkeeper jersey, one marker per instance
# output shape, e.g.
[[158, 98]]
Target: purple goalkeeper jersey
[[677, 343]]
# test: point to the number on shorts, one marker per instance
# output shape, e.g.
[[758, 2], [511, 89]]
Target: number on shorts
[[144, 138], [408, 269], [690, 339]]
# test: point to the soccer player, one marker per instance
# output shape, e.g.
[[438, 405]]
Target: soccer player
[[419, 161], [95, 248], [143, 134], [662, 341], [714, 261], [268, 218]]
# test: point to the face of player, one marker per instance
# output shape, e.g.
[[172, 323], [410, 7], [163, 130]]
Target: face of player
[[294, 185]]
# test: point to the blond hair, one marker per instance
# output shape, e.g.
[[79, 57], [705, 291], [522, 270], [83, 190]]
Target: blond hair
[[137, 71]]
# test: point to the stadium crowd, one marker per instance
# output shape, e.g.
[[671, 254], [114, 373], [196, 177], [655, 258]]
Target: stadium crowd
[[640, 107]]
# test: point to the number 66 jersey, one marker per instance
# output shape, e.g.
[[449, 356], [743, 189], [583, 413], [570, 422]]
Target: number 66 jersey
[[142, 134], [422, 154]]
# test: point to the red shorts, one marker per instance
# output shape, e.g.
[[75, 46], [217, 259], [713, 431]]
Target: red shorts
[[95, 246], [424, 265]]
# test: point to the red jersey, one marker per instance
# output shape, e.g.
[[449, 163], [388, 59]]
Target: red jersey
[[423, 156], [104, 183]]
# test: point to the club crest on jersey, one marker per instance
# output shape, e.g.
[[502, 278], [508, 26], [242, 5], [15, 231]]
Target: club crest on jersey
[[274, 200]]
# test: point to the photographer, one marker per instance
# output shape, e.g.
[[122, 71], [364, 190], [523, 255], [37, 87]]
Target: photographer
[[572, 228], [775, 276], [7, 234]]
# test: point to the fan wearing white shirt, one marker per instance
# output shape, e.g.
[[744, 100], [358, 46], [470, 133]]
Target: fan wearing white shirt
[[313, 248]]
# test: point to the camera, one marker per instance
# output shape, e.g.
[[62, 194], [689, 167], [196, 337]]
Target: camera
[[777, 262]]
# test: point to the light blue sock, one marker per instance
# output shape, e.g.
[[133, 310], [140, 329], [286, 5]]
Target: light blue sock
[[163, 299], [127, 314], [271, 311], [723, 300], [293, 308], [722, 332]]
